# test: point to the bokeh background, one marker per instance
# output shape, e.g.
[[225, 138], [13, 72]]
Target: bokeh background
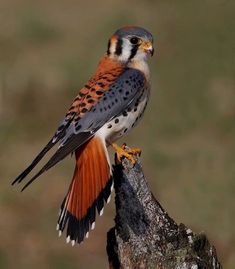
[[48, 49]]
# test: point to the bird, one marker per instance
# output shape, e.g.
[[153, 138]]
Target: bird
[[109, 105]]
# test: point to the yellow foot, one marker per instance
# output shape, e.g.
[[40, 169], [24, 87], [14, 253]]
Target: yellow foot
[[125, 152]]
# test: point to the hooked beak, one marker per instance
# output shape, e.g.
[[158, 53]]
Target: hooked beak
[[151, 51], [147, 47]]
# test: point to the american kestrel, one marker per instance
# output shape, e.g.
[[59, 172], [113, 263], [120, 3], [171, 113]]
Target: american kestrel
[[107, 107]]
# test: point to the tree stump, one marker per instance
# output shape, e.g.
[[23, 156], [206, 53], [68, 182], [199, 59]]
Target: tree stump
[[144, 235]]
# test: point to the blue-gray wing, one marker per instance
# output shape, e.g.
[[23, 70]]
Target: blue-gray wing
[[126, 89]]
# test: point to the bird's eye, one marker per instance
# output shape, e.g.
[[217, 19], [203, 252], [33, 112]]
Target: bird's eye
[[134, 40]]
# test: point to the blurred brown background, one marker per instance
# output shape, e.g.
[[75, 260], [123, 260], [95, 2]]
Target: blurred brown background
[[48, 49]]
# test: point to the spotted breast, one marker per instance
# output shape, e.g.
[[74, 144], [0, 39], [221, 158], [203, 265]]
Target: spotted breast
[[124, 122]]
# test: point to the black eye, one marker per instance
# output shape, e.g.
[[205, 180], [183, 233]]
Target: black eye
[[134, 40]]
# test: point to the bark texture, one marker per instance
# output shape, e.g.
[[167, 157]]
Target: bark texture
[[144, 236]]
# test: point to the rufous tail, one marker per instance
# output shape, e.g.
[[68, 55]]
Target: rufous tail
[[90, 188]]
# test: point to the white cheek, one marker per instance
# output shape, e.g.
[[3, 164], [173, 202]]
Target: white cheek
[[140, 56], [126, 51]]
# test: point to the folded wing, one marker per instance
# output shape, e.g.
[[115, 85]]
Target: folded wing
[[76, 130]]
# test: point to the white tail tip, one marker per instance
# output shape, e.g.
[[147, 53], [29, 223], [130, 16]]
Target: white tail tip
[[93, 226], [101, 212], [112, 187], [68, 239], [109, 199]]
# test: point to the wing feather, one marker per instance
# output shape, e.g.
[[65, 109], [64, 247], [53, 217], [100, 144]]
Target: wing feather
[[74, 142], [58, 135]]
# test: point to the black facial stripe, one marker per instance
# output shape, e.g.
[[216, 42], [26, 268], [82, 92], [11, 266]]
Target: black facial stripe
[[133, 52], [118, 50], [109, 44]]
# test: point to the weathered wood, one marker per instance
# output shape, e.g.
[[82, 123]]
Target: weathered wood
[[145, 236]]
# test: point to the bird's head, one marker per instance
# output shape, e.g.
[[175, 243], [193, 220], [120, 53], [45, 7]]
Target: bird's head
[[130, 43]]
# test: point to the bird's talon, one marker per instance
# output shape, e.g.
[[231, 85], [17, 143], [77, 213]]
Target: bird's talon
[[134, 151], [124, 152]]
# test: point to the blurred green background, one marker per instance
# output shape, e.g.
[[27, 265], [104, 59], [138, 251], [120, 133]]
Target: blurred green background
[[48, 49]]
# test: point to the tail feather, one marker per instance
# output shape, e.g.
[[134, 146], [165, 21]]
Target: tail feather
[[89, 190]]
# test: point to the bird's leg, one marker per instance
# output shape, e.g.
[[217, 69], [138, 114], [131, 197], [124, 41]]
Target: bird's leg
[[125, 152]]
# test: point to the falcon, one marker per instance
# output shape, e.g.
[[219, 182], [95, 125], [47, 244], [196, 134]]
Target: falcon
[[110, 104]]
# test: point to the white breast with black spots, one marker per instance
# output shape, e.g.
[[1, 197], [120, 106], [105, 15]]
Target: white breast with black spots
[[120, 125]]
